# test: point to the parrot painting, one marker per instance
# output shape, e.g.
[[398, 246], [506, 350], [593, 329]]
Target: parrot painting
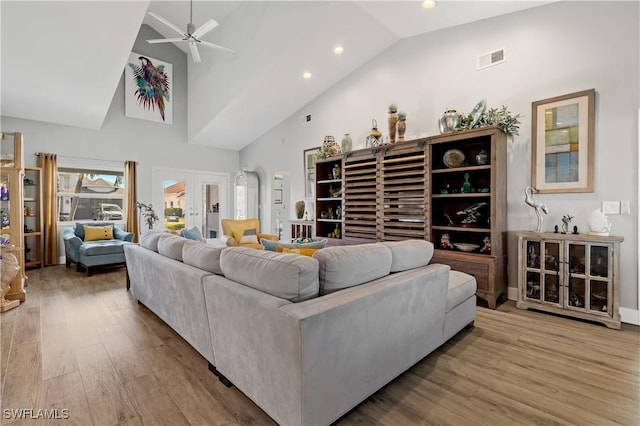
[[152, 85]]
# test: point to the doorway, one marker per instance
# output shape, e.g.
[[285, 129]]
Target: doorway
[[191, 198]]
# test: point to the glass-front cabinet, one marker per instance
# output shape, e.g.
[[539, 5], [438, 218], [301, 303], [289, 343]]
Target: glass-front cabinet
[[571, 274]]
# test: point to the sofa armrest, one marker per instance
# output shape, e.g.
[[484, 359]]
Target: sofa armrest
[[72, 244], [271, 237], [120, 234]]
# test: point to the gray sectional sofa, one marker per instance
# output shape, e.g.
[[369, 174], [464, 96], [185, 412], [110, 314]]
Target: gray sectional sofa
[[306, 338]]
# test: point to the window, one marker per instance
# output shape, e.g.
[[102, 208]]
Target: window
[[90, 194]]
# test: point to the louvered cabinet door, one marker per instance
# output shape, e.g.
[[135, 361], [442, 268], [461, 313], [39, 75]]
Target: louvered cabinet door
[[402, 210], [360, 196]]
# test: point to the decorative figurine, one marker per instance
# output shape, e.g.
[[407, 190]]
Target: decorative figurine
[[402, 125], [575, 230], [487, 245], [539, 207], [393, 120], [336, 171], [556, 230], [566, 219], [466, 186], [445, 242], [375, 137], [471, 213]]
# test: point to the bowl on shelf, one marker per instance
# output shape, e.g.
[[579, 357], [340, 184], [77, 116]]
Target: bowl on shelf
[[466, 246]]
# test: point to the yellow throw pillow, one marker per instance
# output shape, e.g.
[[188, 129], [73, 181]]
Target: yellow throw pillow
[[245, 236], [95, 233], [302, 251]]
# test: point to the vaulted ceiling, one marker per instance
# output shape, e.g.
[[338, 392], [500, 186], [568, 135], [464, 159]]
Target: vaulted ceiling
[[62, 60]]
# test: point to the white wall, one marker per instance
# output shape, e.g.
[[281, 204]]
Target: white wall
[[121, 138], [552, 50]]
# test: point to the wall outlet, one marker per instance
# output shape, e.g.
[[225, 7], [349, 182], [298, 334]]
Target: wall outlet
[[625, 207], [611, 207]]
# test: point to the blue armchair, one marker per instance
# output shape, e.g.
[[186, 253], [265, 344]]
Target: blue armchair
[[95, 248]]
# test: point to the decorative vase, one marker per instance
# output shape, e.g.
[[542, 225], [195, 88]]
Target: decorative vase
[[336, 171], [482, 158], [393, 120], [402, 125], [346, 143], [449, 121], [300, 209], [375, 137]]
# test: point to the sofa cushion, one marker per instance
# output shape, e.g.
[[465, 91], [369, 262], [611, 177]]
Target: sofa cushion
[[202, 256], [409, 254], [96, 233], [79, 229], [461, 287], [273, 245], [294, 278], [149, 240], [171, 246], [192, 234], [347, 266], [97, 248]]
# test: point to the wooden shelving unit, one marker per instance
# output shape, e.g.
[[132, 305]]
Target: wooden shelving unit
[[406, 191], [329, 192], [33, 237]]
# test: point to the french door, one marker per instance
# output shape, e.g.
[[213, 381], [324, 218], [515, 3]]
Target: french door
[[188, 198]]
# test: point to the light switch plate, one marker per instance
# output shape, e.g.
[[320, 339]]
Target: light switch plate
[[625, 207], [611, 207]]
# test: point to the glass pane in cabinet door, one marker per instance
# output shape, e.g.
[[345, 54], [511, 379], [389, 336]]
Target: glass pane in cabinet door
[[577, 259], [576, 292], [551, 256], [599, 261], [551, 288], [533, 254], [599, 297], [533, 285]]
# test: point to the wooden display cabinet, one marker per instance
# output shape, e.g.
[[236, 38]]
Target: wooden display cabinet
[[468, 206], [32, 192], [329, 206], [301, 229], [570, 274], [12, 212]]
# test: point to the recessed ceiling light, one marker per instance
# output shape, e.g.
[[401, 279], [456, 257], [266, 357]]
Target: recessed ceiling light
[[428, 4], [306, 75], [338, 50]]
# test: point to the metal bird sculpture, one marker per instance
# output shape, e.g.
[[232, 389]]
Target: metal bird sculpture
[[152, 85], [539, 207]]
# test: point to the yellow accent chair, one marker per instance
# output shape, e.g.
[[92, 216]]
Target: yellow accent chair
[[244, 233]]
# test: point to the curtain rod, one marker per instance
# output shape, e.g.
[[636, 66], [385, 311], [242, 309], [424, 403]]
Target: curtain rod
[[85, 158]]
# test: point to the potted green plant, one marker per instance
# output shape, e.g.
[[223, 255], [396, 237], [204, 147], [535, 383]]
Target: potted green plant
[[149, 215]]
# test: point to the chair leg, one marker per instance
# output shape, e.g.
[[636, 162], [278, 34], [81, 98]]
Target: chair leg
[[67, 262], [88, 271], [78, 267]]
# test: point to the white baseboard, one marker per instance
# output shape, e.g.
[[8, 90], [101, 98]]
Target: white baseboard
[[630, 316], [627, 315]]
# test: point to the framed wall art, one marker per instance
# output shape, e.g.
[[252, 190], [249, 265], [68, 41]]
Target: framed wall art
[[309, 171], [147, 85], [562, 141]]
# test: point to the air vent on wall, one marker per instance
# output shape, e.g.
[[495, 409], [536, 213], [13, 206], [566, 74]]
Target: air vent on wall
[[492, 58]]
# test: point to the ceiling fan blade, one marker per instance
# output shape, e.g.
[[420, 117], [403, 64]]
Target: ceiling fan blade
[[194, 52], [215, 46], [165, 40], [167, 23], [205, 28]]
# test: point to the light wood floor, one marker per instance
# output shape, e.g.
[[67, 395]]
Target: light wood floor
[[85, 345]]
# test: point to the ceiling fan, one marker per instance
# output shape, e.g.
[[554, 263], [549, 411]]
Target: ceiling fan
[[192, 36]]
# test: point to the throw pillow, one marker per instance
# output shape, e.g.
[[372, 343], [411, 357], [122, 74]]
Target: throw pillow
[[273, 245], [302, 251], [96, 233], [192, 234], [245, 236]]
